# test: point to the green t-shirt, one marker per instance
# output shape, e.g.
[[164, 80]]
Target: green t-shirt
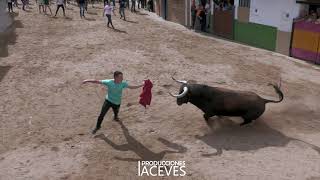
[[114, 90]]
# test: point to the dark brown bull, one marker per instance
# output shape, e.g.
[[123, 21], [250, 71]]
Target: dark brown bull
[[215, 101]]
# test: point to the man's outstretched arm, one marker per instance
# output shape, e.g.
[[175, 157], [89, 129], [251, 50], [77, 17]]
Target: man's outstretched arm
[[91, 81], [135, 87]]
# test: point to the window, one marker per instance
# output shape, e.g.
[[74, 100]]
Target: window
[[244, 3]]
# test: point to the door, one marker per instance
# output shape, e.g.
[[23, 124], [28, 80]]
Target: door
[[223, 23], [306, 41]]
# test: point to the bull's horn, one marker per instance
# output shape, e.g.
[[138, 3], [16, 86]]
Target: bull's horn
[[179, 81], [185, 90]]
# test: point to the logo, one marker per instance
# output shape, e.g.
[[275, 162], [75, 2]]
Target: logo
[[161, 168]]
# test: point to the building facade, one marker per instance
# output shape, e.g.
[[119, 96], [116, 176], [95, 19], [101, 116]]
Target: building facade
[[267, 24]]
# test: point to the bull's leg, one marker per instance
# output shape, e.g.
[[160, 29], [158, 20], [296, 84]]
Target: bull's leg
[[250, 116]]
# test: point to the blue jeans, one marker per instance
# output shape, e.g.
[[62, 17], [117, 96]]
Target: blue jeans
[[82, 6], [121, 12]]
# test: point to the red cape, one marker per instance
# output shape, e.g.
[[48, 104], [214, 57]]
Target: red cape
[[146, 95]]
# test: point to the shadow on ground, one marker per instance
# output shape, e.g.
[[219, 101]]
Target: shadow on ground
[[120, 31], [138, 148], [3, 71], [9, 36], [90, 19], [134, 22], [246, 138]]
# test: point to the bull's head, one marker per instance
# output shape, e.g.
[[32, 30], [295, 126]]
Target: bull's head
[[182, 97]]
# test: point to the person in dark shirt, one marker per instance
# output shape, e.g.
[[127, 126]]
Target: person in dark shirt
[[82, 4], [127, 4], [10, 9], [133, 5], [150, 5], [122, 6]]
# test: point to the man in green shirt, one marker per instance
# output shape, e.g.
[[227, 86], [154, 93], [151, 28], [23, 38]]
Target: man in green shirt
[[113, 98]]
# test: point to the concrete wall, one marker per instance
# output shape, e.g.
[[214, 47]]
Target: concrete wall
[[257, 35], [279, 14], [283, 42], [274, 19], [275, 13]]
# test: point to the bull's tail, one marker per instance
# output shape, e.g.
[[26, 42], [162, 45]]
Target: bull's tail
[[278, 91], [314, 147]]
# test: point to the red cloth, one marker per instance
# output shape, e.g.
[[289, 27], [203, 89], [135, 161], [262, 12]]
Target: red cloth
[[146, 95]]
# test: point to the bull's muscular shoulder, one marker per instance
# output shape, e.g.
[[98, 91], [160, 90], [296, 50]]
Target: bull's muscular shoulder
[[199, 88], [202, 90]]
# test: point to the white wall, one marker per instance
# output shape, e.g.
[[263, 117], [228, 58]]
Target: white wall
[[5, 20], [293, 10], [274, 13]]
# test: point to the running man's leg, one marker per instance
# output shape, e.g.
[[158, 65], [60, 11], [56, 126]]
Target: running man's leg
[[9, 8], [23, 5], [49, 9], [115, 109], [110, 21], [120, 9], [105, 108], [124, 15], [133, 6], [81, 8], [64, 13], [107, 19], [83, 11], [58, 7]]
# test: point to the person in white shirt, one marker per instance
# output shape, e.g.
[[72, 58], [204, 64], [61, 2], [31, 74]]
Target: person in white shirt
[[107, 11], [60, 3]]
